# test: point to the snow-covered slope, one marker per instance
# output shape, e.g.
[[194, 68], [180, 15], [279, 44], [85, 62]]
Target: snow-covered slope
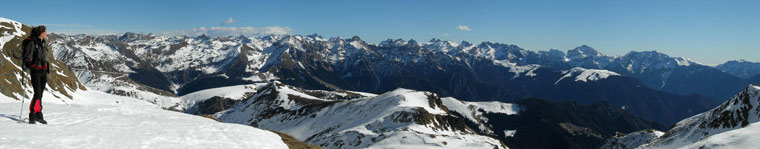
[[99, 120], [734, 124], [736, 113], [398, 119], [586, 75], [120, 84], [739, 138], [631, 140]]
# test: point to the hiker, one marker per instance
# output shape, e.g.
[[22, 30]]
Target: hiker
[[34, 59]]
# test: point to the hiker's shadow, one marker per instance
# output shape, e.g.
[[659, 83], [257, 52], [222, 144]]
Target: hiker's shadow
[[13, 117]]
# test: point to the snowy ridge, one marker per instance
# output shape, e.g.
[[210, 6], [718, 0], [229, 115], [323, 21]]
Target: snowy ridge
[[586, 75], [119, 84], [644, 61], [741, 68], [232, 92], [16, 31], [526, 70], [400, 118], [733, 124], [632, 140]]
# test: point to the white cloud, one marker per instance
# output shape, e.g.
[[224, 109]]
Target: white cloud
[[463, 28], [231, 31], [228, 21]]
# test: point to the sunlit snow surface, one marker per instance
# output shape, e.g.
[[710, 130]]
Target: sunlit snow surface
[[100, 120]]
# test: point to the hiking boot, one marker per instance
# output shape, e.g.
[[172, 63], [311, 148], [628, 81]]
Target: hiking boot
[[32, 118], [40, 119]]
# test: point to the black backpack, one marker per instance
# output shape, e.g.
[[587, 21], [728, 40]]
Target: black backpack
[[25, 56]]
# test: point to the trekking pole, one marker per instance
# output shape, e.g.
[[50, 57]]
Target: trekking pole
[[23, 87]]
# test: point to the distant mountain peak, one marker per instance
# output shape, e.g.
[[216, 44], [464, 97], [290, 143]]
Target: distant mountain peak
[[435, 40], [393, 42], [583, 51], [203, 36], [465, 43], [740, 68], [356, 38]]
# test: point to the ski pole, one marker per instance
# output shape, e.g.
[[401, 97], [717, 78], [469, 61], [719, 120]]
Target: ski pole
[[23, 87]]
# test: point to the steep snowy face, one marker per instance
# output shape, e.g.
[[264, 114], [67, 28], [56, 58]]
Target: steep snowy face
[[400, 118], [586, 75], [740, 68], [740, 113], [14, 82]]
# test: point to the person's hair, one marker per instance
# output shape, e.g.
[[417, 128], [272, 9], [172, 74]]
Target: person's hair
[[36, 31]]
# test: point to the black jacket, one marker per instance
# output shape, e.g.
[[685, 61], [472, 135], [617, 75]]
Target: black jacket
[[34, 54]]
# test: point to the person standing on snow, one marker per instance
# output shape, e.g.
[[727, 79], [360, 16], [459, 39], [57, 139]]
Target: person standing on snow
[[34, 59]]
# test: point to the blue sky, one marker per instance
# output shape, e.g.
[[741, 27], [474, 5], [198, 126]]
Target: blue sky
[[710, 32]]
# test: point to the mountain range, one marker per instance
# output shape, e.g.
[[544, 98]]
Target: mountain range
[[483, 72], [347, 93]]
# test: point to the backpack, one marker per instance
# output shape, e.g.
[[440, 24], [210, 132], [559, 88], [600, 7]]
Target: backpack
[[26, 55]]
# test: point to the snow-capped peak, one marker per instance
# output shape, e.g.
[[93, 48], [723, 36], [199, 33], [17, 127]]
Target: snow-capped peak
[[393, 43], [442, 45], [203, 37], [583, 51], [683, 61]]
